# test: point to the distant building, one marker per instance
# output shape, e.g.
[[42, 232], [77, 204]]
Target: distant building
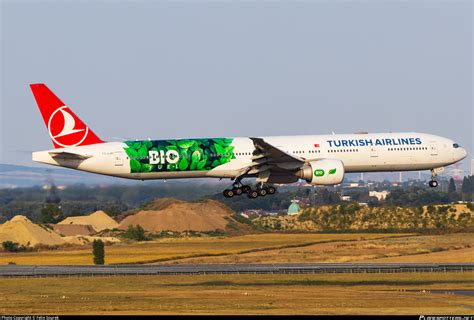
[[346, 198], [271, 213], [294, 208], [380, 195]]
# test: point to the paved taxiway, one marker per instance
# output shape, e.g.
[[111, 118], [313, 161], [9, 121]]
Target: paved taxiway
[[193, 269]]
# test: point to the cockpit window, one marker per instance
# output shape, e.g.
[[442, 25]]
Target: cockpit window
[[456, 145]]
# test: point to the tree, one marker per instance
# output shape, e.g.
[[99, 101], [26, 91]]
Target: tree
[[114, 210], [50, 213], [373, 202], [465, 185], [452, 186], [415, 196], [324, 196], [467, 188], [98, 251], [11, 246], [135, 233]]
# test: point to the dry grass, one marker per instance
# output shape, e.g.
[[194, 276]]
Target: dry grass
[[449, 256], [272, 248], [175, 249], [427, 248], [243, 294]]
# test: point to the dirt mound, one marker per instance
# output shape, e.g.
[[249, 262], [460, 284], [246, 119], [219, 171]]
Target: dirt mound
[[99, 220], [163, 203], [73, 229], [21, 230], [181, 216]]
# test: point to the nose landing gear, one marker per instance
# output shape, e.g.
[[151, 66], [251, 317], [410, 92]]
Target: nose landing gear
[[433, 183], [434, 172]]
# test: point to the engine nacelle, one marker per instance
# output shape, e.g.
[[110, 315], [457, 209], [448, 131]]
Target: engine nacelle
[[323, 172]]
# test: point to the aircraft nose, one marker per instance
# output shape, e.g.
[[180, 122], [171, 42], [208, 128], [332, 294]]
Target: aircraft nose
[[462, 153]]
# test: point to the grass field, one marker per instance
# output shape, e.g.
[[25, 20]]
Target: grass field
[[271, 248], [175, 249], [241, 294], [410, 248]]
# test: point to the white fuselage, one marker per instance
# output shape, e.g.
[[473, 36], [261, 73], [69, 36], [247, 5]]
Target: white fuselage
[[358, 152]]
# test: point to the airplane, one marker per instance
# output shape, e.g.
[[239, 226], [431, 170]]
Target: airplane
[[317, 159]]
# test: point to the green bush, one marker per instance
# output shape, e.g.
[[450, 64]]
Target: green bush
[[241, 219], [11, 246], [135, 233]]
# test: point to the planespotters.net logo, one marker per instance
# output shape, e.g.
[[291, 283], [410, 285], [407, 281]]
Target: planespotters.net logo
[[446, 318], [64, 129]]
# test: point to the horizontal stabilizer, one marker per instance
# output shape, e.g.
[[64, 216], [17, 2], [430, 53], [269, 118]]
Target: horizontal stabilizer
[[68, 155]]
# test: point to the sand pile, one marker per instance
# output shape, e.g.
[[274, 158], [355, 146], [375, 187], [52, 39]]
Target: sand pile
[[162, 203], [99, 220], [73, 229], [180, 216], [21, 230]]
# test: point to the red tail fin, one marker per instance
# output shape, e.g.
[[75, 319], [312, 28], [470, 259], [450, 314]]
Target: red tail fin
[[64, 127]]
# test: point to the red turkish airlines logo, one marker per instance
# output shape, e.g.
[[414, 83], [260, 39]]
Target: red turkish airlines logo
[[64, 130]]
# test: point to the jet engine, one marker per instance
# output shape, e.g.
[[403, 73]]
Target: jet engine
[[323, 172]]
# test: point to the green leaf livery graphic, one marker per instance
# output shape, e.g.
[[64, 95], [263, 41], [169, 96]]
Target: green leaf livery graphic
[[332, 171], [183, 155], [183, 164]]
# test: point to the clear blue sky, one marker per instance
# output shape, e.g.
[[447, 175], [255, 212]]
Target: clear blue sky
[[161, 69]]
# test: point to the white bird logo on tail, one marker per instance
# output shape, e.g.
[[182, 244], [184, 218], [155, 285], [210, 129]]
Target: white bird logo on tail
[[68, 127], [69, 124]]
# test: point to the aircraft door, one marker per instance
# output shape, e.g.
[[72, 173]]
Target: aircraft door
[[374, 152], [434, 149], [118, 156]]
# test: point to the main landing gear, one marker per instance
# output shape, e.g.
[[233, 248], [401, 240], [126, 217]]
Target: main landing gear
[[238, 189]]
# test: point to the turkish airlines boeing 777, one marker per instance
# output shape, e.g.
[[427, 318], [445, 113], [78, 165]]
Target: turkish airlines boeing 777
[[318, 159]]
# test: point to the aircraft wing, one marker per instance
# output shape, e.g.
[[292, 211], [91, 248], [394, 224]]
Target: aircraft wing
[[271, 164], [274, 154], [68, 155]]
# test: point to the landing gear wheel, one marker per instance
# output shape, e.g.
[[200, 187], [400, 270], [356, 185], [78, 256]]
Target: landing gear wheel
[[246, 189], [237, 191], [434, 172], [252, 194], [228, 193], [433, 183], [271, 190], [262, 192]]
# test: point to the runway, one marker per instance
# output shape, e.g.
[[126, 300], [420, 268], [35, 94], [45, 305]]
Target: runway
[[196, 269]]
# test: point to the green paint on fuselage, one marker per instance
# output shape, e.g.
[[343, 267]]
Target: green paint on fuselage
[[178, 155]]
